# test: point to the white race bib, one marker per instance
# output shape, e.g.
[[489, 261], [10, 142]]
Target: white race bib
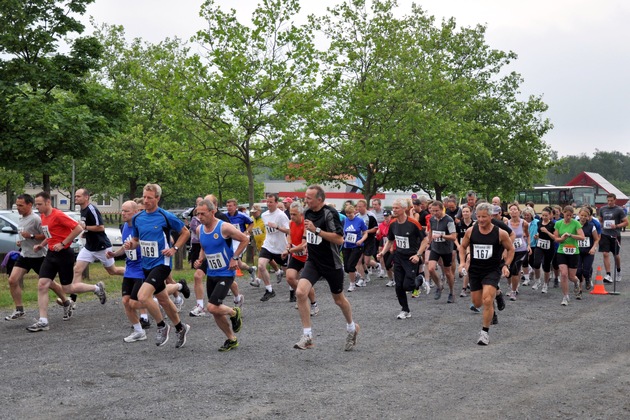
[[402, 242], [569, 250], [586, 243], [482, 252], [437, 236], [544, 244], [18, 237], [518, 242], [215, 261], [132, 254], [149, 249], [313, 239], [257, 231], [46, 232], [351, 238], [608, 224], [270, 229]]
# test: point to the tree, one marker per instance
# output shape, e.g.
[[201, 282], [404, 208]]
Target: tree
[[47, 110]]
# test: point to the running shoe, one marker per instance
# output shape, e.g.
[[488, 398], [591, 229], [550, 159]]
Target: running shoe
[[367, 278], [484, 338], [578, 295], [38, 326], [179, 303], [565, 301], [556, 283], [268, 295], [463, 293], [67, 311], [438, 292], [162, 335], [237, 320], [451, 298], [181, 336], [73, 303], [536, 285], [381, 273], [526, 282], [544, 289], [15, 315], [576, 288], [229, 345], [252, 273], [135, 336], [314, 309], [279, 275], [403, 315], [101, 292], [587, 284], [351, 339], [306, 342], [185, 289], [500, 301], [427, 288], [475, 309], [145, 324], [619, 275], [415, 293], [512, 296], [361, 283], [607, 279], [390, 283], [352, 287], [255, 282], [241, 300], [198, 310]]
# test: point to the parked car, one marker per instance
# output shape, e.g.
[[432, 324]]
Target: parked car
[[8, 231], [114, 234]]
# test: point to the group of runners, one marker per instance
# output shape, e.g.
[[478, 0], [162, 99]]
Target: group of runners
[[416, 245]]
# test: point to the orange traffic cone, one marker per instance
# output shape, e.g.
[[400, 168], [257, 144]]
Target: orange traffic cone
[[598, 289], [239, 273]]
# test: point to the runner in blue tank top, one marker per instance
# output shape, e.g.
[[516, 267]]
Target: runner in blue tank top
[[215, 237]]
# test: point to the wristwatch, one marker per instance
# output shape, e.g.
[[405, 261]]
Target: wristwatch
[[176, 248], [236, 258], [317, 231], [32, 236]]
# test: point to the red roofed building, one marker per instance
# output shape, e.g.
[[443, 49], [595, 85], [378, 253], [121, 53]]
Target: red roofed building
[[602, 187]]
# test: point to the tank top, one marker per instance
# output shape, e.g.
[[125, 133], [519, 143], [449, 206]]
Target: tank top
[[485, 250], [218, 251], [520, 244]]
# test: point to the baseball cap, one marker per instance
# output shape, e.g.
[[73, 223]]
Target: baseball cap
[[387, 213], [496, 210], [287, 200]]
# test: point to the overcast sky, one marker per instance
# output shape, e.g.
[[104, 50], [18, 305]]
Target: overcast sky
[[574, 52]]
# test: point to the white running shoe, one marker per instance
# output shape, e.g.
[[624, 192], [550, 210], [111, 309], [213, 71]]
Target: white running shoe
[[197, 311], [484, 338], [361, 283], [390, 283], [135, 336], [426, 287], [352, 287], [314, 309], [403, 315], [536, 285], [565, 301], [526, 281], [544, 288], [241, 299]]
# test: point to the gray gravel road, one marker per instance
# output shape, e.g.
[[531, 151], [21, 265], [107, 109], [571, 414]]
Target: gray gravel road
[[543, 361]]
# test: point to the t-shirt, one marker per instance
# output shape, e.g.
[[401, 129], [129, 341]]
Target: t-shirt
[[407, 236], [297, 235], [321, 251], [443, 226], [152, 229], [570, 245], [370, 222], [378, 215], [133, 263], [259, 232], [611, 216], [546, 241], [56, 227], [353, 231], [94, 241], [275, 241], [240, 220], [32, 224]]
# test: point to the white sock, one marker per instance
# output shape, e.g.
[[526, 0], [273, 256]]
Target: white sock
[[155, 300], [43, 320], [237, 298], [178, 299], [137, 327], [308, 332], [291, 289], [96, 289], [351, 327], [144, 316], [269, 288], [179, 286], [200, 302]]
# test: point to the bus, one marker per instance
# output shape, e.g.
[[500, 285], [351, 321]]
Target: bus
[[550, 195]]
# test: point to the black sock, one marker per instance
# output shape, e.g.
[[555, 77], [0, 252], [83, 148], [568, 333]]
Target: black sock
[[608, 273], [486, 329], [19, 308], [179, 327], [161, 324]]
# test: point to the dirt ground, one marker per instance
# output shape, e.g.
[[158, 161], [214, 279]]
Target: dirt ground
[[543, 361]]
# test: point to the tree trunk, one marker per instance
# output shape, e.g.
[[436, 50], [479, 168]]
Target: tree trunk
[[133, 187], [46, 182]]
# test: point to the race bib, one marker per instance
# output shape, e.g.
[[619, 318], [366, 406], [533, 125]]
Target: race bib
[[518, 242], [351, 238], [313, 239], [18, 237], [437, 236], [482, 252], [149, 249], [544, 244], [608, 224], [586, 243], [237, 226], [132, 254], [299, 253], [257, 231], [402, 242], [215, 261], [569, 249], [270, 229], [46, 232]]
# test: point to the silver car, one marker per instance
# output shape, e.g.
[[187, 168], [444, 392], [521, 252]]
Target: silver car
[[8, 231]]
